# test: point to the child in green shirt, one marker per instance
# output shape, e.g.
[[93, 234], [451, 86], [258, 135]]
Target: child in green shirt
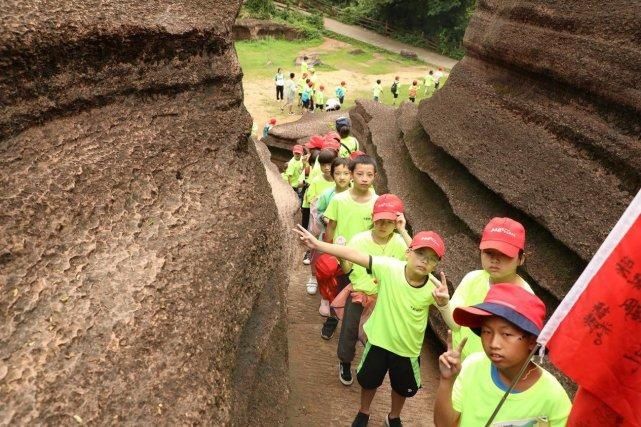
[[508, 322], [377, 90], [397, 326], [381, 240]]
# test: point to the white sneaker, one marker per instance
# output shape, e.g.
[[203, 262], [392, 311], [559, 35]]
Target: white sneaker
[[306, 258], [323, 310], [312, 286]]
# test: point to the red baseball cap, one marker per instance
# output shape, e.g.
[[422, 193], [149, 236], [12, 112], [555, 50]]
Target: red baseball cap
[[315, 142], [331, 144], [387, 206], [333, 135], [355, 154], [297, 149], [429, 239], [511, 302], [272, 121], [505, 235]]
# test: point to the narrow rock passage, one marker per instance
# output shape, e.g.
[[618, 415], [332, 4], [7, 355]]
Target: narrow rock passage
[[317, 398]]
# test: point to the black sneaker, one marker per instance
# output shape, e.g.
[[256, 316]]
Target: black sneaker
[[329, 327], [393, 422], [345, 373], [361, 420]]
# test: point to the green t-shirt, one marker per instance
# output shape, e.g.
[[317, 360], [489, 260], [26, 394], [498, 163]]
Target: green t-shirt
[[475, 395], [351, 143], [376, 90], [318, 185], [293, 172], [303, 67], [430, 81], [364, 242], [319, 98], [300, 85], [351, 217], [399, 318], [472, 290], [324, 199]]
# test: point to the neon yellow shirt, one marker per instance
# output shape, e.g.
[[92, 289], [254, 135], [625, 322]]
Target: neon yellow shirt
[[300, 85], [430, 81], [472, 290], [475, 395], [319, 98], [364, 242], [351, 143], [315, 172], [399, 318], [293, 172], [316, 187], [351, 217], [303, 67]]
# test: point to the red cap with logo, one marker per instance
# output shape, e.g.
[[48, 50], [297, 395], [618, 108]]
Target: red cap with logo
[[429, 239], [511, 302], [297, 149], [387, 206], [505, 235], [315, 142]]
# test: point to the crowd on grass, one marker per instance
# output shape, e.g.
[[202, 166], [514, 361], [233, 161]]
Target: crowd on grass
[[379, 281]]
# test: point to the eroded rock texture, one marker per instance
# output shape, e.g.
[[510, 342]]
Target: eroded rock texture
[[539, 122], [140, 266]]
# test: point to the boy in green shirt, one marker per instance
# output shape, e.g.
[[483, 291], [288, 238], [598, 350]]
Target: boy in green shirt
[[349, 144], [294, 172], [508, 322], [348, 214], [396, 328]]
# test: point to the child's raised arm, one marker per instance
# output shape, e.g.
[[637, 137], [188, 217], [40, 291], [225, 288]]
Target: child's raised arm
[[346, 253]]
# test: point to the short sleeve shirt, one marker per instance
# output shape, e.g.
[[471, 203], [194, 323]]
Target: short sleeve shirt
[[399, 318], [472, 290], [293, 172], [475, 395], [318, 185], [324, 199], [363, 242], [376, 90], [349, 142], [351, 217]]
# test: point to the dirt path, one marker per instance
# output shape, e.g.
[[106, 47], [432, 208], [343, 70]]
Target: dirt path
[[378, 40], [317, 398]]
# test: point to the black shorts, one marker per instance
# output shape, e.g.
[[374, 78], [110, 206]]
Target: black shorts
[[395, 95], [404, 372], [412, 99]]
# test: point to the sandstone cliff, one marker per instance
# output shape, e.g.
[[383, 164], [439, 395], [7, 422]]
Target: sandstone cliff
[[141, 280]]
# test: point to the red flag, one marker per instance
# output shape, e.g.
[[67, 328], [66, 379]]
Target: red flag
[[594, 336]]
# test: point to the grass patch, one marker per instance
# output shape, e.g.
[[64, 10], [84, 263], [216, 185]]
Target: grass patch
[[261, 58]]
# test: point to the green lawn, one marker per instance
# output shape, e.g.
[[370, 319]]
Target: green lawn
[[261, 58]]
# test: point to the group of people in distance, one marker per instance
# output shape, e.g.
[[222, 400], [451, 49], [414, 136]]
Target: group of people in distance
[[380, 281], [309, 93]]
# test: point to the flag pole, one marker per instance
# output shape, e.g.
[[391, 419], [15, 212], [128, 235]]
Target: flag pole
[[509, 390]]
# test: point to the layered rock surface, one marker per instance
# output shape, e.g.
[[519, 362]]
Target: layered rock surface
[[142, 281], [539, 122]]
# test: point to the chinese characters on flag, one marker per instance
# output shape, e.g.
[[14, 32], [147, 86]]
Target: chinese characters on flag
[[594, 336]]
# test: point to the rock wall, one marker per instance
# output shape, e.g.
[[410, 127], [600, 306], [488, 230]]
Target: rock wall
[[254, 29], [539, 122], [140, 260]]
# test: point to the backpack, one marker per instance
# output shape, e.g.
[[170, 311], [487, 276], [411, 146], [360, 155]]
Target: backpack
[[394, 87]]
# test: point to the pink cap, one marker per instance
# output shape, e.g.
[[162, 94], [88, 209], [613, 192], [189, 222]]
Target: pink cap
[[429, 239], [315, 142], [505, 235], [387, 206], [297, 149]]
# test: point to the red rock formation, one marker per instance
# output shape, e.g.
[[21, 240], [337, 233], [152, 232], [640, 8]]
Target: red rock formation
[[141, 279]]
